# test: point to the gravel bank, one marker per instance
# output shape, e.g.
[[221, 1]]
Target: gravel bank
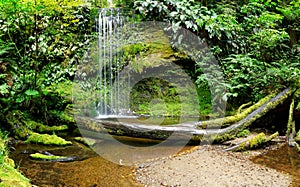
[[208, 166]]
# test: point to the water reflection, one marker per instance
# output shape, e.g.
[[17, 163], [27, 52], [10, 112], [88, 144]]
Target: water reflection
[[284, 159]]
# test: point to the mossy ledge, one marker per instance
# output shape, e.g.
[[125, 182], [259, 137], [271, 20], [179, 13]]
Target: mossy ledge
[[39, 127], [27, 130]]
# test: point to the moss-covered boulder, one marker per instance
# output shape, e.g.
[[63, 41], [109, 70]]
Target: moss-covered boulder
[[47, 139], [85, 141]]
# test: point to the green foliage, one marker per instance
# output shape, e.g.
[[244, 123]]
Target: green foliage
[[46, 39], [255, 41], [3, 150], [40, 44]]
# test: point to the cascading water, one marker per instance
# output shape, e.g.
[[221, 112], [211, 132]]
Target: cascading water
[[108, 42], [114, 97], [122, 66]]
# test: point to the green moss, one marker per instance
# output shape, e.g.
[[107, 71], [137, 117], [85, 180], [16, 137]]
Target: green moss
[[15, 121], [39, 156], [243, 106], [253, 143], [11, 177], [298, 147], [8, 174], [62, 116], [119, 132], [291, 121], [223, 137], [44, 128], [257, 140], [243, 133], [47, 139], [297, 138], [272, 136]]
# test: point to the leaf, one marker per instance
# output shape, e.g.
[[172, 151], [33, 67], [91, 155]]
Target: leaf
[[20, 99], [173, 14], [31, 92], [4, 89]]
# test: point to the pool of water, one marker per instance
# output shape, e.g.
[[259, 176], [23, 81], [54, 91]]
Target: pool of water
[[89, 168], [285, 159]]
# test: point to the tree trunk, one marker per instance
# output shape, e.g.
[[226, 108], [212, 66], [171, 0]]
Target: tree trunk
[[162, 132]]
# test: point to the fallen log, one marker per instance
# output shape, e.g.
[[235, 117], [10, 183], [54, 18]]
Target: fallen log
[[229, 120], [253, 143], [185, 129]]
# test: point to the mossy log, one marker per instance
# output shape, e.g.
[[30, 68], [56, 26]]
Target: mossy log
[[227, 121], [255, 142], [291, 129], [242, 107], [297, 138], [162, 132], [40, 156]]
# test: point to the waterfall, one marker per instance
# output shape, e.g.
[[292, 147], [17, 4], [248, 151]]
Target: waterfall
[[117, 32], [110, 42]]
